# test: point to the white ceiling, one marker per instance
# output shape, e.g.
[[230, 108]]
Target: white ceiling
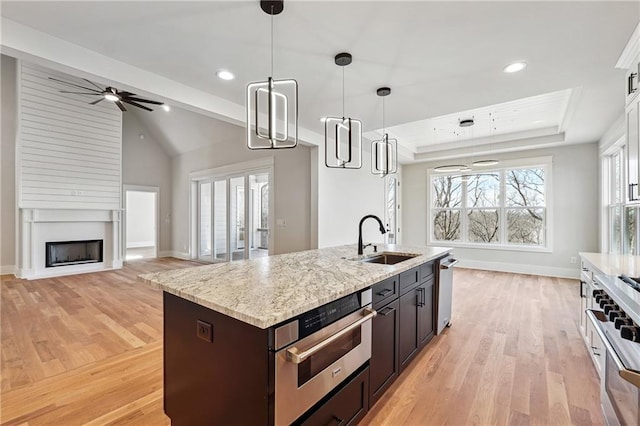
[[439, 58]]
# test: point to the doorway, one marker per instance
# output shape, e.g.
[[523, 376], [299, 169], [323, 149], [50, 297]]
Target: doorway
[[141, 223]]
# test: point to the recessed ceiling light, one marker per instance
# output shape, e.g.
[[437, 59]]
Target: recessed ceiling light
[[225, 75], [166, 107], [515, 67]]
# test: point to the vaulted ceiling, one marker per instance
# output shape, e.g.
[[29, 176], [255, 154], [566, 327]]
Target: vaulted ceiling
[[439, 58]]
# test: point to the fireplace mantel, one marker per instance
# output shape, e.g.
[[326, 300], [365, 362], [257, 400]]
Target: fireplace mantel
[[39, 226]]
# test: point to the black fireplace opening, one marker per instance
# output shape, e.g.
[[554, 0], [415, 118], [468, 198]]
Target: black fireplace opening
[[64, 253]]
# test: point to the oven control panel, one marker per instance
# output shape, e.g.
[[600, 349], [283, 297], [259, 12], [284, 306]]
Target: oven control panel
[[315, 319]]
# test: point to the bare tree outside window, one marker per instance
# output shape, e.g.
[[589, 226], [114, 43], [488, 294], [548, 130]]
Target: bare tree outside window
[[483, 190], [447, 201], [525, 201], [502, 207]]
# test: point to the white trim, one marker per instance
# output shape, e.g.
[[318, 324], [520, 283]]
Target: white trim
[[176, 254], [7, 269], [546, 162], [518, 268], [630, 51], [140, 244], [230, 169]]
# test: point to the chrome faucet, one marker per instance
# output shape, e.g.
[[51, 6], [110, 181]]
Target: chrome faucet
[[382, 230]]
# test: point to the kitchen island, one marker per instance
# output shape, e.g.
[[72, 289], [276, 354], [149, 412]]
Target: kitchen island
[[220, 322]]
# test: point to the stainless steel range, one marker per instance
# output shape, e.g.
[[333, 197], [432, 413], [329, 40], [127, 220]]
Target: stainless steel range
[[616, 323]]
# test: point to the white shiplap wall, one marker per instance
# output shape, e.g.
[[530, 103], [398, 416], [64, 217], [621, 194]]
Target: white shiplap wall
[[70, 152]]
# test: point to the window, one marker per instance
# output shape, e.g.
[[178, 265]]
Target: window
[[503, 208]]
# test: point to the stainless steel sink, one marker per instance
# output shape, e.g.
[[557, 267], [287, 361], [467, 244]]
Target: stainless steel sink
[[388, 258]]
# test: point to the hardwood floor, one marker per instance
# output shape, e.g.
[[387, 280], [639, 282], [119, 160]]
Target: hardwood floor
[[87, 349]]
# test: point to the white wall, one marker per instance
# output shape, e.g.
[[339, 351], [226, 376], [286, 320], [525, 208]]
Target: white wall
[[292, 185], [146, 163], [344, 197], [575, 214], [141, 219], [7, 165]]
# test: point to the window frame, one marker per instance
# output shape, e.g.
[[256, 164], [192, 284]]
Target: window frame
[[536, 162]]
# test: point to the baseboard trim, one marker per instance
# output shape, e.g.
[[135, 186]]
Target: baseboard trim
[[7, 269], [517, 268], [176, 254], [141, 244]]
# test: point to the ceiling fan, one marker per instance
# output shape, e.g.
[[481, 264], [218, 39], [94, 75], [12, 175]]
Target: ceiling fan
[[111, 94]]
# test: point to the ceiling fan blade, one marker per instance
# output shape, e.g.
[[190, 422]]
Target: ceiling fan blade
[[74, 85], [91, 82], [125, 94], [81, 93], [147, 101], [96, 101], [135, 104], [122, 108]]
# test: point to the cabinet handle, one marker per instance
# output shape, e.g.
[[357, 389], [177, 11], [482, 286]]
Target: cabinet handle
[[386, 311], [593, 350], [582, 283], [424, 297], [420, 297], [385, 292], [334, 420], [630, 88]]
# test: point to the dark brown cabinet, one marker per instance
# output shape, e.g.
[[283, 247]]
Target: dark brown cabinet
[[384, 363], [347, 407], [408, 336], [426, 312]]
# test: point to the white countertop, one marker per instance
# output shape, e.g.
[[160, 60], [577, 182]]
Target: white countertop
[[608, 268], [264, 292]]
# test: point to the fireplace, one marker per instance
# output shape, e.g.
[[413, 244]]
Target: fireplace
[[63, 253]]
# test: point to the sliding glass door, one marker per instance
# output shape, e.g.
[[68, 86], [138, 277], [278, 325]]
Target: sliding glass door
[[233, 221]]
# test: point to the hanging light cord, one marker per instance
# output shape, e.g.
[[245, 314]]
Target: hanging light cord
[[343, 93], [272, 41], [383, 128]]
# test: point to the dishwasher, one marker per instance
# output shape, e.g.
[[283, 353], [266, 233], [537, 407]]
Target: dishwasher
[[445, 291]]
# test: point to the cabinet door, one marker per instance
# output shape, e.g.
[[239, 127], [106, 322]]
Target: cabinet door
[[596, 348], [632, 152], [426, 312], [584, 288], [408, 343], [383, 367]]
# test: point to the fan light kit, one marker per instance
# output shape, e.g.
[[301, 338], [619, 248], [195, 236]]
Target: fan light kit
[[384, 152], [342, 135], [109, 93], [272, 105]]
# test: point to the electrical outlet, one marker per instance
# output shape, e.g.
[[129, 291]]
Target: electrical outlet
[[204, 331], [573, 259]]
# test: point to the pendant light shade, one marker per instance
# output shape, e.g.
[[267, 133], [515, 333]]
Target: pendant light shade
[[272, 105], [384, 152], [342, 135]]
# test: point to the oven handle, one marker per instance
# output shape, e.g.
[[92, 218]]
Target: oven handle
[[630, 376], [298, 357]]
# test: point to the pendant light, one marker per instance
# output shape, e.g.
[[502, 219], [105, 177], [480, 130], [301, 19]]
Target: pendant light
[[384, 152], [342, 135], [452, 168], [272, 105], [487, 163]]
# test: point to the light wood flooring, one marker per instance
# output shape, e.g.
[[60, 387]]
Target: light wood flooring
[[87, 349]]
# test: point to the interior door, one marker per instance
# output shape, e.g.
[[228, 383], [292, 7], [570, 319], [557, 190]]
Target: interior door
[[237, 215], [259, 215]]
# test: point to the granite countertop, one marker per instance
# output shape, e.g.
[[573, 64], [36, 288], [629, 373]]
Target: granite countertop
[[608, 268], [264, 292]]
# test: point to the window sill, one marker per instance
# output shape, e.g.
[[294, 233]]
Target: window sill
[[502, 247]]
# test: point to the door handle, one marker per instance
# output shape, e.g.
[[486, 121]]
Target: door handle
[[631, 186], [295, 356], [630, 88]]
